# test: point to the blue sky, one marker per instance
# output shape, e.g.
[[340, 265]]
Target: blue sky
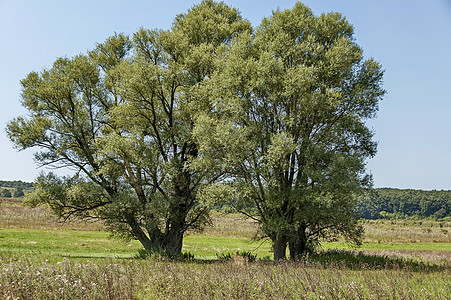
[[412, 40]]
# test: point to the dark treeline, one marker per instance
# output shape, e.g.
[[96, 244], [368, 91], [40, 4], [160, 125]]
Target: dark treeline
[[16, 184], [14, 188], [399, 203]]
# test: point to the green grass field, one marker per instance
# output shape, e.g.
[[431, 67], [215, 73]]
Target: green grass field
[[41, 258], [79, 243]]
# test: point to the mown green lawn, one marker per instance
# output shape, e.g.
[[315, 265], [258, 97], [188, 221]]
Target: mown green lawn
[[74, 243], [77, 243]]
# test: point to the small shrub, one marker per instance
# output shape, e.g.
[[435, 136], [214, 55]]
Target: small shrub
[[224, 256], [248, 255], [227, 256], [161, 254]]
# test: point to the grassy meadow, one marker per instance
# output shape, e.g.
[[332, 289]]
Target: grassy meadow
[[41, 258]]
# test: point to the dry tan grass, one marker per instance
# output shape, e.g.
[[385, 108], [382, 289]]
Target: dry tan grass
[[376, 231], [231, 225], [402, 231], [434, 257], [22, 278], [13, 214]]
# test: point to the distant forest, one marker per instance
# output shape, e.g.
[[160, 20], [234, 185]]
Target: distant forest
[[385, 203], [16, 184], [15, 189], [390, 203]]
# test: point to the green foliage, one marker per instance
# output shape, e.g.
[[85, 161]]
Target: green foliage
[[121, 116], [15, 188], [164, 125], [288, 106], [18, 193], [164, 255], [5, 193], [226, 256], [248, 256], [398, 204], [17, 184], [69, 197]]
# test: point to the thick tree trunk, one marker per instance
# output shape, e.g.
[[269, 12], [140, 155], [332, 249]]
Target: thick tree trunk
[[139, 233], [171, 242], [170, 238], [179, 211], [297, 249], [156, 239], [298, 245], [174, 239], [279, 247]]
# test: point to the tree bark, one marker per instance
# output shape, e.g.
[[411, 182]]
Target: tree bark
[[280, 247], [174, 239], [137, 231], [177, 223], [298, 244]]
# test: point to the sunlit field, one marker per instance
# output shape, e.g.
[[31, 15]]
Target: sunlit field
[[41, 258]]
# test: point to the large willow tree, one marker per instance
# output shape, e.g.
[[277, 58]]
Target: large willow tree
[[286, 122], [120, 117]]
